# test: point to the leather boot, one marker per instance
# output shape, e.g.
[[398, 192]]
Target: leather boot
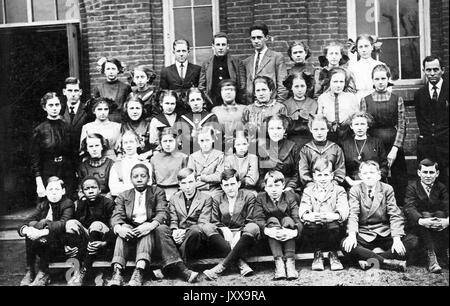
[[214, 272], [244, 268], [280, 269], [29, 277], [290, 269], [433, 265], [117, 278]]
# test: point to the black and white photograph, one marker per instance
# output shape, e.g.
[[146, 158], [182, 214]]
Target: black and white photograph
[[224, 145]]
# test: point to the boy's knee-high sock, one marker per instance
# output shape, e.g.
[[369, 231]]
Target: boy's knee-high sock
[[289, 248], [240, 249]]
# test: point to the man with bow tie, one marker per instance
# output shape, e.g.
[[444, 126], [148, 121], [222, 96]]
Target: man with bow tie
[[431, 106], [426, 209]]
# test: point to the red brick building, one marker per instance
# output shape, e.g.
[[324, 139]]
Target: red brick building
[[43, 41]]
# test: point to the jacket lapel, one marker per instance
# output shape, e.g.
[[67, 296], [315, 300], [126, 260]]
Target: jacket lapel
[[209, 73], [189, 72], [129, 204], [149, 202], [79, 114], [266, 59], [231, 69], [377, 199], [181, 204], [174, 70], [224, 209], [238, 205], [195, 203]]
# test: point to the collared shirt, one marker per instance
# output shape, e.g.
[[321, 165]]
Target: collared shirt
[[188, 202], [185, 65], [139, 214], [261, 56], [348, 105], [49, 216], [427, 188], [231, 203], [75, 107], [438, 85]]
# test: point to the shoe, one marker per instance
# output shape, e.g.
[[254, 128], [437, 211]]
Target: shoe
[[78, 278], [317, 264], [291, 271], [190, 276], [335, 263], [378, 250], [117, 278], [42, 279], [158, 274], [137, 279], [215, 272], [364, 265], [433, 265], [280, 269], [28, 278], [395, 265], [244, 268]]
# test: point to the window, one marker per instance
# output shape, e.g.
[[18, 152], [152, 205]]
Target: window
[[194, 20], [29, 12], [402, 27]]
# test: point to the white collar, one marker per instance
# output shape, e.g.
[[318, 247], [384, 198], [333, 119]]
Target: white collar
[[178, 64], [137, 193], [263, 51], [361, 138], [438, 85]]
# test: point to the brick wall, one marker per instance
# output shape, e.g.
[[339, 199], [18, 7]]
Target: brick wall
[[439, 14]]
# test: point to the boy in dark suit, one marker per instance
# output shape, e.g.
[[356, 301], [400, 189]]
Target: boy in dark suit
[[43, 231], [138, 212], [276, 213], [431, 106], [182, 75], [89, 233], [426, 209], [375, 221], [232, 213]]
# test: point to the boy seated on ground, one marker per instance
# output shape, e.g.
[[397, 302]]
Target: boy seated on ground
[[375, 221], [232, 213], [43, 231], [137, 213], [426, 209], [89, 233], [323, 211], [276, 213]]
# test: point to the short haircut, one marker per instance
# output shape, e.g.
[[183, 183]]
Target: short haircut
[[259, 26], [228, 174], [369, 163], [277, 176], [427, 162], [322, 164], [381, 67], [48, 96], [89, 178], [103, 141], [114, 61], [266, 80], [151, 75], [184, 173], [182, 42], [362, 114], [299, 43], [141, 166], [71, 80], [56, 179], [319, 118], [431, 58], [220, 35]]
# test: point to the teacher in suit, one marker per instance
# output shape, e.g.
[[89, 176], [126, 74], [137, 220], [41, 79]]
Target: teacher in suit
[[431, 105], [265, 62], [182, 75]]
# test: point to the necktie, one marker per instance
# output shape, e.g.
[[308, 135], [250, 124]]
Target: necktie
[[257, 62], [435, 93], [428, 189], [71, 112], [182, 71], [370, 194], [336, 109]]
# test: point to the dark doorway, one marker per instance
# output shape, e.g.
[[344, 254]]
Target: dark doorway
[[33, 61]]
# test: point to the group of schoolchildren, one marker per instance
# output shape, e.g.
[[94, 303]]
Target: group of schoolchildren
[[185, 172]]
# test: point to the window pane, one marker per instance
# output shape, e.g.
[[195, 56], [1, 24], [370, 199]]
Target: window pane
[[1, 13], [44, 10], [410, 49], [389, 55], [202, 2], [387, 26], [177, 3], [68, 9], [365, 16], [202, 55], [409, 18], [203, 26], [16, 11], [183, 23]]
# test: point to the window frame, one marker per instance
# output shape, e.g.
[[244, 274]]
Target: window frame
[[424, 34], [30, 21], [169, 29]]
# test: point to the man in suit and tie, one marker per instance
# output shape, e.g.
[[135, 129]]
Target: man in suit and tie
[[265, 62], [222, 66], [375, 221], [75, 113], [182, 75], [190, 217], [426, 209], [431, 105]]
